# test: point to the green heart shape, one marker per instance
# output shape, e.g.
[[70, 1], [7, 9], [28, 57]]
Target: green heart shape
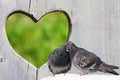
[[35, 41]]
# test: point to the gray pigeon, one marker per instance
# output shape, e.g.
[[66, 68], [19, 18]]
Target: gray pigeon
[[86, 60], [59, 61]]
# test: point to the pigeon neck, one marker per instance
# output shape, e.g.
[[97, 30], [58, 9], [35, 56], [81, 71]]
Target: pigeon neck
[[73, 51]]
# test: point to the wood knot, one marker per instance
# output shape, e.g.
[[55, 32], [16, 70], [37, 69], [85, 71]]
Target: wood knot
[[1, 59]]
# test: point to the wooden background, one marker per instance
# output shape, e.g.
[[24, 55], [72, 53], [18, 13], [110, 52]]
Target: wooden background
[[95, 27]]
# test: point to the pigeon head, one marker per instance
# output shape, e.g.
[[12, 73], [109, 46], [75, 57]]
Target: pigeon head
[[71, 48], [61, 51], [61, 57]]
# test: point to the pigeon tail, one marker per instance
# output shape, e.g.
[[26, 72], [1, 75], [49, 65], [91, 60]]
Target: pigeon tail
[[112, 72], [108, 68]]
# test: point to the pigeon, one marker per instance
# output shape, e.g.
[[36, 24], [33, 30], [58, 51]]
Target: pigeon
[[85, 60], [59, 61]]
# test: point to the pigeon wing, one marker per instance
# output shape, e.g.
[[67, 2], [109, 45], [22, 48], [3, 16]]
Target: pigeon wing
[[84, 59]]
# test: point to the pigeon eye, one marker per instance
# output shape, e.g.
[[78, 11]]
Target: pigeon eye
[[67, 50]]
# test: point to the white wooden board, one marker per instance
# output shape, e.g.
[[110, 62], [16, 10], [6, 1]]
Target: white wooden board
[[95, 27]]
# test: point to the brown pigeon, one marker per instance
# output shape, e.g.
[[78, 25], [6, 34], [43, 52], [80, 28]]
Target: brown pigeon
[[86, 60]]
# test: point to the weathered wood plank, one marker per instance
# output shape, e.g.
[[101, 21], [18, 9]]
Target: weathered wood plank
[[95, 25], [41, 7], [13, 67]]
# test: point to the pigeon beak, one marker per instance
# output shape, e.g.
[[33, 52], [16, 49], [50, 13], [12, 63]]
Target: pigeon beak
[[68, 46], [69, 43]]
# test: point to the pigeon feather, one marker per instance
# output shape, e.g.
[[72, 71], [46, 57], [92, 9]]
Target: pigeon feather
[[59, 61], [87, 60]]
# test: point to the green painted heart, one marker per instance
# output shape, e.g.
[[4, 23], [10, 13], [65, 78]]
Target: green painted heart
[[35, 41]]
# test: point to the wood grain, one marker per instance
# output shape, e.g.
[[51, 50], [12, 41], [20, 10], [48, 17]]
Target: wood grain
[[13, 67], [95, 27]]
